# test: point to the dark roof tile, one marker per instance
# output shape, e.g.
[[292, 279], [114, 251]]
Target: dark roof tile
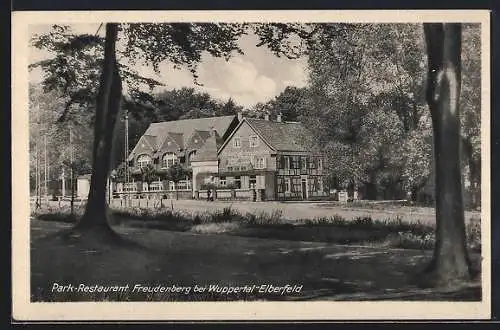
[[284, 136]]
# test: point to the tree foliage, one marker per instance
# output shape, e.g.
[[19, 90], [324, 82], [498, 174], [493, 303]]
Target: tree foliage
[[355, 74], [74, 69], [149, 174], [291, 104], [366, 96], [51, 137]]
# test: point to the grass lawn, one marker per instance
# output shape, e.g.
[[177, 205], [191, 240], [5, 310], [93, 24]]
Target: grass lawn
[[293, 211], [325, 271]]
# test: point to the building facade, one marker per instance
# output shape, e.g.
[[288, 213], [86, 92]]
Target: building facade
[[278, 159], [257, 159], [168, 143]]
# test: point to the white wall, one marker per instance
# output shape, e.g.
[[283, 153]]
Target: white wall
[[82, 187], [203, 167]]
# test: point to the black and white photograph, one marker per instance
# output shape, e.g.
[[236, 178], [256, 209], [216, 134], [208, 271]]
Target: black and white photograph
[[264, 160]]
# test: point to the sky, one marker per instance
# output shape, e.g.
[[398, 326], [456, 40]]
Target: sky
[[256, 76]]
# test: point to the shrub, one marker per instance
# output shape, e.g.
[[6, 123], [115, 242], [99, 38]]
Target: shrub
[[227, 214], [264, 218], [206, 186], [61, 214], [408, 240], [473, 234], [215, 228], [363, 222]]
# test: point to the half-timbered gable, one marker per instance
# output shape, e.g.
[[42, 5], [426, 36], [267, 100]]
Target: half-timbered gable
[[279, 158]]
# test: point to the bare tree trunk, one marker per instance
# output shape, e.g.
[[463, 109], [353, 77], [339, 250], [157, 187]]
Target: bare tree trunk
[[450, 263], [108, 104]]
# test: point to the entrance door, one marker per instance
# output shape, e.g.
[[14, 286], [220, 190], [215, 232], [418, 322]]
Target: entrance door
[[304, 189]]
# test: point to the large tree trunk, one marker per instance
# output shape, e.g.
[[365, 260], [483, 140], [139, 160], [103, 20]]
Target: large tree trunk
[[108, 104], [450, 263]]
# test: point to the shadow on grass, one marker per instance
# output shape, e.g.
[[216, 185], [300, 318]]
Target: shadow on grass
[[325, 272], [102, 235]]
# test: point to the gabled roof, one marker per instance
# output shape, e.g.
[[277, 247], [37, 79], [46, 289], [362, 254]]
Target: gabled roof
[[188, 126], [280, 136], [209, 149], [197, 139], [148, 141], [283, 136], [178, 139], [171, 143]]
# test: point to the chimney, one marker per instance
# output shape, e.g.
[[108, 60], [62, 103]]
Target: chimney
[[278, 118], [240, 116], [266, 116]]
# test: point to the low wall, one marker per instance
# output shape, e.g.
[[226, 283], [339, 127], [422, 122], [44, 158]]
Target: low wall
[[228, 194], [151, 195]]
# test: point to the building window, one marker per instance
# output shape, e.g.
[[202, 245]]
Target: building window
[[288, 186], [303, 161], [171, 185], [296, 184], [320, 184], [237, 182], [237, 142], [191, 155], [295, 162], [320, 164], [144, 160], [169, 159], [130, 187], [253, 181], [312, 163], [285, 162], [254, 141], [313, 184], [260, 162], [155, 186], [222, 181], [281, 184], [230, 168]]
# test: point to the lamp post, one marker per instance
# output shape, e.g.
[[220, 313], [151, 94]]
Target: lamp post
[[126, 159], [37, 164], [46, 168]]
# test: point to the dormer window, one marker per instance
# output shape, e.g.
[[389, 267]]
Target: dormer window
[[253, 141], [144, 160], [169, 159], [237, 142]]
